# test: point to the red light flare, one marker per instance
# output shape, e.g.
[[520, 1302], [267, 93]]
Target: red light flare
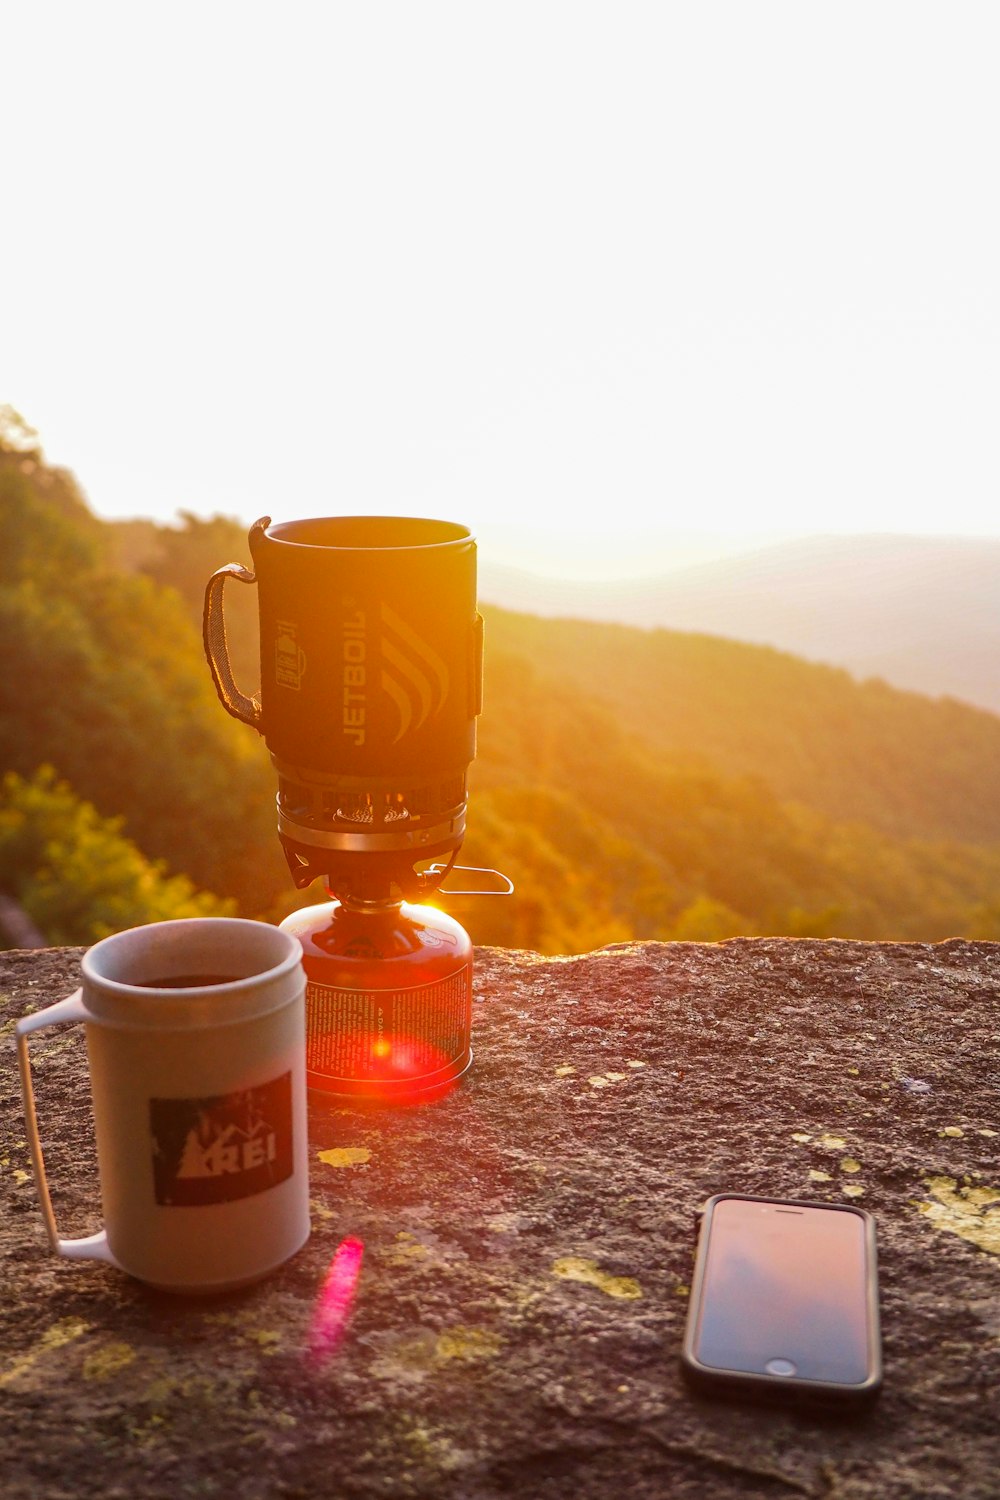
[[401, 1068], [335, 1301]]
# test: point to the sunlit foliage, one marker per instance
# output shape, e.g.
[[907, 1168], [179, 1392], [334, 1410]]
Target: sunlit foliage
[[73, 873], [103, 678]]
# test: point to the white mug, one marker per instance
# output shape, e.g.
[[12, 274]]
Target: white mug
[[196, 1042]]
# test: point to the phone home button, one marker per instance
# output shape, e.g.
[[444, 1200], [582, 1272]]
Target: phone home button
[[780, 1367]]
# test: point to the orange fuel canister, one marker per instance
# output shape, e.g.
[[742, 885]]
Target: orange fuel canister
[[388, 998]]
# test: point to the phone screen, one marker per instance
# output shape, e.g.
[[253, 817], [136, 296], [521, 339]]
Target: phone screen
[[784, 1292]]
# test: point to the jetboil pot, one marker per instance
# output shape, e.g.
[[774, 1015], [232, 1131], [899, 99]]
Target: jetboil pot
[[371, 660]]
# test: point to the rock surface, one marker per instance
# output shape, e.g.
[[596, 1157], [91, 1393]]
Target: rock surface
[[528, 1246]]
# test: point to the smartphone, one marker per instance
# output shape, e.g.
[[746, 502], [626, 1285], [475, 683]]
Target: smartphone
[[784, 1302]]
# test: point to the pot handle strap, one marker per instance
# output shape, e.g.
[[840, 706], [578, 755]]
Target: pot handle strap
[[213, 623]]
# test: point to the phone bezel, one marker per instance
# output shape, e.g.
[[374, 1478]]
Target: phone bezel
[[775, 1387]]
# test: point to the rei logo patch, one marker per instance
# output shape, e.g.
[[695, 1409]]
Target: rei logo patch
[[220, 1149]]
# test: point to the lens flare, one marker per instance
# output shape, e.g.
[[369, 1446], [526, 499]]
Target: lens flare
[[402, 1067], [335, 1301]]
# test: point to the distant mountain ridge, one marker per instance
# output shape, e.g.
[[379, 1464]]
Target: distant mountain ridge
[[921, 612]]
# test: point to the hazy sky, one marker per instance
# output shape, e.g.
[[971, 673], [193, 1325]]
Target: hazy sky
[[580, 275]]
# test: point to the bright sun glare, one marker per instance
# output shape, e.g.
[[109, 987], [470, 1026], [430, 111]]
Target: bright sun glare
[[584, 279]]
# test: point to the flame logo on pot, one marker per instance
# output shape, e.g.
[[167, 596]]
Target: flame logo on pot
[[413, 675]]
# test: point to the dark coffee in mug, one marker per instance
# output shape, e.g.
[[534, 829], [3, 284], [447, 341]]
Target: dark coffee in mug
[[187, 981]]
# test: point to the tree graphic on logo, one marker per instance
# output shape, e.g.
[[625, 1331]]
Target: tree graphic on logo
[[215, 1150]]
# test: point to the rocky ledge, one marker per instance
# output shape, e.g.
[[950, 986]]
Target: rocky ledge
[[528, 1243]]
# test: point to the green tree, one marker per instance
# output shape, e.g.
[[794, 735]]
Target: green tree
[[103, 676], [186, 556], [75, 874]]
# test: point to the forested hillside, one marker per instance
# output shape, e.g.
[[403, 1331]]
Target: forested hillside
[[104, 680], [910, 765], [634, 784]]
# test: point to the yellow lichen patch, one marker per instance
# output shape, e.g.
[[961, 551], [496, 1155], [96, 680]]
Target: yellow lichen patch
[[432, 1448], [246, 1328], [106, 1362], [564, 1070], [147, 1434], [853, 1190], [165, 1388], [682, 1290], [831, 1142], [955, 1131], [21, 1176], [575, 1268], [405, 1250], [344, 1156], [599, 1081], [990, 1133], [267, 1338], [467, 1343], [55, 1337], [635, 1063], [816, 1176], [320, 1209], [615, 1077], [257, 1408], [853, 1072], [850, 1165], [800, 1138], [971, 1212]]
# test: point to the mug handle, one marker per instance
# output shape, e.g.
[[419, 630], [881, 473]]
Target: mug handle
[[70, 1010], [213, 629]]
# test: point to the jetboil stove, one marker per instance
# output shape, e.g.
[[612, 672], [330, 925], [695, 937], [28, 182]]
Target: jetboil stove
[[371, 659]]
